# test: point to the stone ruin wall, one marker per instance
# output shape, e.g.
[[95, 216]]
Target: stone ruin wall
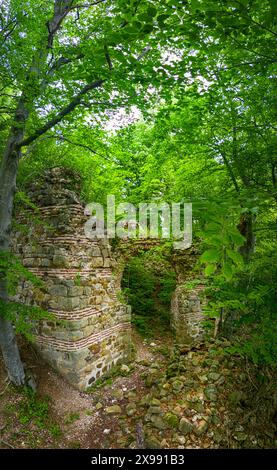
[[79, 285], [82, 285], [187, 315]]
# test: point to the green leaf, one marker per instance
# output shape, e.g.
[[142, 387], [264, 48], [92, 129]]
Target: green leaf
[[273, 6], [151, 11], [195, 4], [210, 256], [147, 28], [210, 269], [213, 240], [236, 237], [235, 257], [227, 271], [161, 19]]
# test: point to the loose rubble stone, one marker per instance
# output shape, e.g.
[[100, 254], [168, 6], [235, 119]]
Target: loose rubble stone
[[158, 422], [210, 393], [185, 426], [114, 409], [177, 385], [172, 420], [214, 376], [155, 410], [201, 427], [151, 442]]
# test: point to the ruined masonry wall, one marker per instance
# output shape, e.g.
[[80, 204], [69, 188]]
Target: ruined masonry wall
[[186, 314], [79, 285]]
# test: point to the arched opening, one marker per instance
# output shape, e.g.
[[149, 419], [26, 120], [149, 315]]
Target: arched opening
[[148, 283]]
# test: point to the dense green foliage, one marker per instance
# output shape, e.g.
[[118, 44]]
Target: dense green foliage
[[201, 73], [15, 273], [148, 283]]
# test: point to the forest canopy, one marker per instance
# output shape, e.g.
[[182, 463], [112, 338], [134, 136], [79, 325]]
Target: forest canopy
[[154, 101]]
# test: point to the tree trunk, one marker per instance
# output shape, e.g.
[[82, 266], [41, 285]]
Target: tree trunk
[[8, 173], [10, 352], [246, 229]]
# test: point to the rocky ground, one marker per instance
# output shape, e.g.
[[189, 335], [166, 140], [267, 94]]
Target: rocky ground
[[167, 397]]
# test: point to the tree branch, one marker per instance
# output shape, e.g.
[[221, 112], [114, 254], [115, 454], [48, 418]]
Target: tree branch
[[6, 443], [255, 62], [66, 139], [248, 17], [250, 50], [86, 147], [61, 10], [230, 171], [63, 61], [144, 52], [64, 112], [86, 5], [98, 103], [273, 175], [8, 33], [7, 109], [107, 56]]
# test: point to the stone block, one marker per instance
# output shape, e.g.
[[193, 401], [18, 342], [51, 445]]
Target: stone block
[[58, 290], [75, 291], [60, 261], [97, 262]]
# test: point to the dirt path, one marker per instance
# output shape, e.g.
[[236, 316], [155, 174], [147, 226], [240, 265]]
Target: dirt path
[[166, 398], [81, 417]]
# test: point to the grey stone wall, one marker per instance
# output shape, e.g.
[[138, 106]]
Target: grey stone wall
[[92, 328], [186, 314], [187, 302]]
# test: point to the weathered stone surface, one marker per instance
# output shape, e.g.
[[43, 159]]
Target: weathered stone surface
[[210, 393], [151, 442], [158, 422], [60, 261], [186, 313], [113, 410], [201, 427], [185, 426], [155, 410]]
